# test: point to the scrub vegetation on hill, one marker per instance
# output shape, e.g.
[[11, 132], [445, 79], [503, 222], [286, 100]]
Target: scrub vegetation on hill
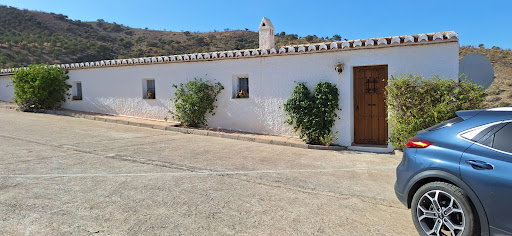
[[33, 37]]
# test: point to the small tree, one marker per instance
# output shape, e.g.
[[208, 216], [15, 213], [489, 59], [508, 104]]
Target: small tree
[[313, 115], [193, 100], [40, 87], [415, 103]]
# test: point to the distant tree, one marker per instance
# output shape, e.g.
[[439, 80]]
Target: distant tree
[[127, 44], [336, 37], [290, 37], [152, 44], [115, 28], [140, 39], [309, 38], [481, 46]]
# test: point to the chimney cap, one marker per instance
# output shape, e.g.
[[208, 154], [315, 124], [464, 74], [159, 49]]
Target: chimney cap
[[266, 23]]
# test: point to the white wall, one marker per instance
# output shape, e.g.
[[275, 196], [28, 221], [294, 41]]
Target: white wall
[[117, 90]]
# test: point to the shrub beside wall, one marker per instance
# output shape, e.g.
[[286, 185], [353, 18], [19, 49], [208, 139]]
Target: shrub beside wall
[[40, 87], [313, 115], [415, 103], [193, 100]]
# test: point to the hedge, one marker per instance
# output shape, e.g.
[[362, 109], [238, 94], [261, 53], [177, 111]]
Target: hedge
[[415, 103]]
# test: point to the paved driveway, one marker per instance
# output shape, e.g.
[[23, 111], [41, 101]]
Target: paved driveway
[[69, 176]]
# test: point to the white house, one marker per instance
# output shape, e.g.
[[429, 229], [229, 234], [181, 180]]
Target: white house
[[359, 68]]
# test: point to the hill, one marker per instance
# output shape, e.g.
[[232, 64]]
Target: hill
[[33, 37], [500, 92]]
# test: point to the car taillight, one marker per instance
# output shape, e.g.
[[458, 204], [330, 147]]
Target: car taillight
[[418, 143]]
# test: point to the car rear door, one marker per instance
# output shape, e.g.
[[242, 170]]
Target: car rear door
[[487, 168]]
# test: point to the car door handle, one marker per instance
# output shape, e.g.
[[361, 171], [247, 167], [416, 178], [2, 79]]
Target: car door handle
[[480, 165]]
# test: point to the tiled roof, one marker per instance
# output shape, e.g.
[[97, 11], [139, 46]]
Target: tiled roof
[[406, 40]]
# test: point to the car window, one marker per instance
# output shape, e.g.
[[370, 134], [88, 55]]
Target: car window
[[478, 134], [482, 133], [487, 141], [502, 139]]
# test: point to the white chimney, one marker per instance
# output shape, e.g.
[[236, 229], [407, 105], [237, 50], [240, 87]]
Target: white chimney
[[266, 34]]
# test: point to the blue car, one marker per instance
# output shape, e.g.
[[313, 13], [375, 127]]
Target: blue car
[[456, 177]]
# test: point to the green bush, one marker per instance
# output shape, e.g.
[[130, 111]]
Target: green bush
[[313, 115], [40, 87], [193, 100], [415, 103]]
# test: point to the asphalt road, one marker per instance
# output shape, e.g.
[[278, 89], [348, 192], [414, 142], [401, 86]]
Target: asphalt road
[[68, 176]]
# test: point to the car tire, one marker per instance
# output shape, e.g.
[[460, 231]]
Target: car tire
[[440, 208]]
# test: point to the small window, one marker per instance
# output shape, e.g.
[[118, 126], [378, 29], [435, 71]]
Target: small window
[[148, 89], [483, 134], [502, 139], [242, 90], [77, 91]]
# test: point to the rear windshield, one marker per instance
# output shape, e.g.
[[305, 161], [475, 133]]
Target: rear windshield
[[447, 123]]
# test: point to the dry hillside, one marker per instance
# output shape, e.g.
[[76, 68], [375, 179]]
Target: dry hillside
[[32, 37], [500, 92]]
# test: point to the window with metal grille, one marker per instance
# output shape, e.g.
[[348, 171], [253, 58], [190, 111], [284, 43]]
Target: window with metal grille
[[77, 91], [243, 88], [149, 89]]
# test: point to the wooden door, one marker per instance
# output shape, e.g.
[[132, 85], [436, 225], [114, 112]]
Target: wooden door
[[370, 112]]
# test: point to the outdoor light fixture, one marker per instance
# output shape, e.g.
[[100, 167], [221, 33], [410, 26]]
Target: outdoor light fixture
[[339, 68]]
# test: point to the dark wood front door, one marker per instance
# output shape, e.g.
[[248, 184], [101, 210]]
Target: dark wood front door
[[370, 112]]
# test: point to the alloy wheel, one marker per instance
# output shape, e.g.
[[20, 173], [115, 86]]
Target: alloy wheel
[[439, 213]]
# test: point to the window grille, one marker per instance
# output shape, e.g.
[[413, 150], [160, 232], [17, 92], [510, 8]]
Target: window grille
[[150, 89], [79, 89], [151, 85], [77, 92], [243, 83]]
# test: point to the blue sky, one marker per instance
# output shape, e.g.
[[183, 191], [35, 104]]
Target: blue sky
[[476, 22]]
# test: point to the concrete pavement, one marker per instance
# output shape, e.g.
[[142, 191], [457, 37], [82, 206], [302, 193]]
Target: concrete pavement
[[67, 176]]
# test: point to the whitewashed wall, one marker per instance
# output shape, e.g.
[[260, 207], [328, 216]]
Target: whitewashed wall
[[118, 90]]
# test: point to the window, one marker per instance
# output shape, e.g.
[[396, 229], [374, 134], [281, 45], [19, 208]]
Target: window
[[494, 135], [502, 139], [148, 89], [241, 86], [77, 91]]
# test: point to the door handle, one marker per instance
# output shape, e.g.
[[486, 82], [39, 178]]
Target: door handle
[[480, 165], [357, 108]]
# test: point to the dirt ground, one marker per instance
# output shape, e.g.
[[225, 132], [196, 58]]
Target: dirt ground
[[68, 176]]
